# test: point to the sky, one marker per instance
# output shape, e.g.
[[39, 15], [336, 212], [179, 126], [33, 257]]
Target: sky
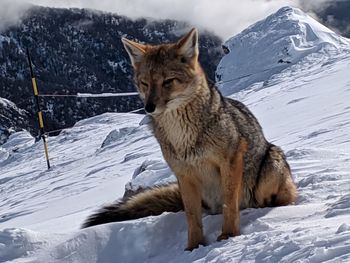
[[224, 17]]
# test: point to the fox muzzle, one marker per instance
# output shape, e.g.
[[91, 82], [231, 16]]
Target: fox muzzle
[[150, 107]]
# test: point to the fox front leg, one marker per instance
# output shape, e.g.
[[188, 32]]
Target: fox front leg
[[232, 175], [190, 189]]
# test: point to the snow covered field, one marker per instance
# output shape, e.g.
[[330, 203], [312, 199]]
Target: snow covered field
[[303, 107]]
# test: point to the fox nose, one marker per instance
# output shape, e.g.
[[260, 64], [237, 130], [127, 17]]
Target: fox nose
[[150, 107]]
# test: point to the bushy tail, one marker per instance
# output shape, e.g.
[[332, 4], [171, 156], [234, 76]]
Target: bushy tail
[[152, 201]]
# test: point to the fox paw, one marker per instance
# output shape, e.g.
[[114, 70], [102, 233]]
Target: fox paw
[[194, 246], [225, 236]]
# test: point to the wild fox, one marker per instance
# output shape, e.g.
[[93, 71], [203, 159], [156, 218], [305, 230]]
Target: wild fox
[[214, 145]]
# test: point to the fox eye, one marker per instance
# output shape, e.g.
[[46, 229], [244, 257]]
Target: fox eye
[[168, 82], [144, 83]]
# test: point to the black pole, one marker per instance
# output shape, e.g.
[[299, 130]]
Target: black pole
[[40, 114]]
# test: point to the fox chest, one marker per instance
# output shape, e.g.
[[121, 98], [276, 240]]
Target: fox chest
[[187, 150], [180, 141]]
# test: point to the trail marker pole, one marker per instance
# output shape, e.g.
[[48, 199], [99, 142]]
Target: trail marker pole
[[40, 114]]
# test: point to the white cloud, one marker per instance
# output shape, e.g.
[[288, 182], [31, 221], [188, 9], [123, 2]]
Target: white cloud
[[224, 17], [11, 12]]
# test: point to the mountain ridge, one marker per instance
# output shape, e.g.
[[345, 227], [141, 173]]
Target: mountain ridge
[[79, 50], [271, 45]]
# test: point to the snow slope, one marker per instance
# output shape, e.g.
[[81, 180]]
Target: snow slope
[[271, 45], [305, 108], [11, 116]]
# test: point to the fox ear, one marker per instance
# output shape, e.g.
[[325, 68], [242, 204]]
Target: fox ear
[[135, 50], [188, 45]]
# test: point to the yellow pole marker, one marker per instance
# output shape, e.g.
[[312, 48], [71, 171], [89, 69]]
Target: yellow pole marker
[[46, 151], [40, 114], [35, 87], [41, 121]]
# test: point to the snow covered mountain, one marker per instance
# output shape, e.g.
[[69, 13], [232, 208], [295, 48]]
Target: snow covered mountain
[[11, 118], [79, 51], [304, 108], [271, 45]]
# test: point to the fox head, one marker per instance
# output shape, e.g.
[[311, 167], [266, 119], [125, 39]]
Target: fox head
[[166, 75]]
